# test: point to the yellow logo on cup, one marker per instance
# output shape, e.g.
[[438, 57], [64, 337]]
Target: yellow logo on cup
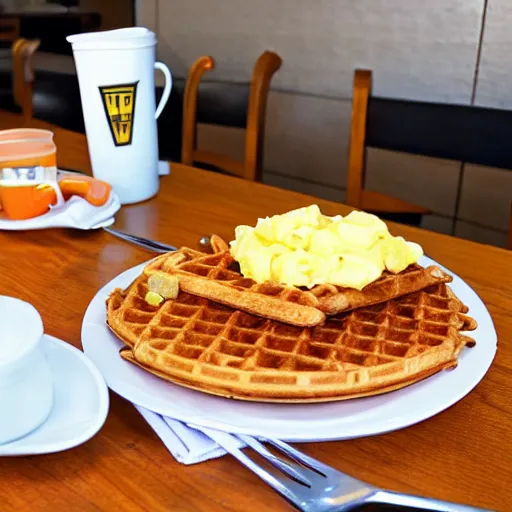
[[119, 103]]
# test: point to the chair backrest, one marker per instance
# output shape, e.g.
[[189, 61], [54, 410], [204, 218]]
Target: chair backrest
[[9, 29], [457, 132], [228, 104], [23, 74]]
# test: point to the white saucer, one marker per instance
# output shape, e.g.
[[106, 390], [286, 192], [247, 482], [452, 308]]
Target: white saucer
[[80, 405], [292, 422]]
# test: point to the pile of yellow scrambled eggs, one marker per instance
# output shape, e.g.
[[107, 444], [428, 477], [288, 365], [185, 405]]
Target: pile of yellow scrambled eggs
[[304, 248]]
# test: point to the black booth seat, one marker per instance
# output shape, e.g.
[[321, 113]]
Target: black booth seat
[[6, 95], [56, 100]]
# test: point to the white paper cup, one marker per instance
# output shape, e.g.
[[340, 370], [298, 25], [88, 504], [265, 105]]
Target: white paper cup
[[117, 87]]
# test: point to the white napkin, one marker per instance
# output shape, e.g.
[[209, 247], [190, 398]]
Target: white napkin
[[76, 212], [186, 444]]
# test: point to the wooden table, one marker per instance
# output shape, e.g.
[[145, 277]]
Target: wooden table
[[463, 454]]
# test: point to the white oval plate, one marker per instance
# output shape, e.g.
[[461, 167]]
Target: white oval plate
[[291, 422], [80, 404]]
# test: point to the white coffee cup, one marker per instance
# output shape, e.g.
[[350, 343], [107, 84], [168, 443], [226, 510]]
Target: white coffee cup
[[26, 388], [117, 86]]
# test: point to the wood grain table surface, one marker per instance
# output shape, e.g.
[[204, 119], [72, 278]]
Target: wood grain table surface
[[463, 454]]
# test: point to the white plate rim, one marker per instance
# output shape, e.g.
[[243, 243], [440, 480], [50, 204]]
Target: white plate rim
[[133, 395], [94, 428]]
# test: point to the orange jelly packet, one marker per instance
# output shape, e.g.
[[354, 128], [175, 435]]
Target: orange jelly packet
[[29, 182], [94, 191]]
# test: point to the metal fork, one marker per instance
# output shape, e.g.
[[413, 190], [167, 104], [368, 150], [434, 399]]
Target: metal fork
[[152, 245], [146, 243], [312, 486]]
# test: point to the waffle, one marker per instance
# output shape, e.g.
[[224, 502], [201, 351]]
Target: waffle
[[334, 299], [204, 345], [213, 276]]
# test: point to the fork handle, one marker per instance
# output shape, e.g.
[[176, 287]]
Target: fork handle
[[406, 500], [146, 243]]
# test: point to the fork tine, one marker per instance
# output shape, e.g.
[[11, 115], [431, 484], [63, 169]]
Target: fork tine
[[285, 489], [302, 458], [283, 466]]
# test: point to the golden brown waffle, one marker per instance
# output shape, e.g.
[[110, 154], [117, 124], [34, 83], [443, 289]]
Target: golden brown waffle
[[213, 277], [207, 346], [334, 299]]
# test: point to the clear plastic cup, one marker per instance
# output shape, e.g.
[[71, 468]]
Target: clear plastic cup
[[28, 173], [27, 147]]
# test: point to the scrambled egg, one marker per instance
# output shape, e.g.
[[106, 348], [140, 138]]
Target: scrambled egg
[[304, 248]]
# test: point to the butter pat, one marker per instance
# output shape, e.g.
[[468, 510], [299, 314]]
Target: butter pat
[[164, 285], [303, 247], [154, 299]]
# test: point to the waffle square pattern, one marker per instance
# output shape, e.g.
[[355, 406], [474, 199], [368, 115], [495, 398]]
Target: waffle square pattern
[[202, 343], [214, 276]]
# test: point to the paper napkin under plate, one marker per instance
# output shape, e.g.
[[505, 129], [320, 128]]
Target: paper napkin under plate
[[186, 444]]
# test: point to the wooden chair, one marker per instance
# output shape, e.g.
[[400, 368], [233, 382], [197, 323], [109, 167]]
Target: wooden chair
[[23, 74], [17, 99], [357, 195], [462, 133], [236, 105]]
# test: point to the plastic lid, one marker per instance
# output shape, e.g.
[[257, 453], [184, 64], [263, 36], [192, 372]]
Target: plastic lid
[[122, 38]]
